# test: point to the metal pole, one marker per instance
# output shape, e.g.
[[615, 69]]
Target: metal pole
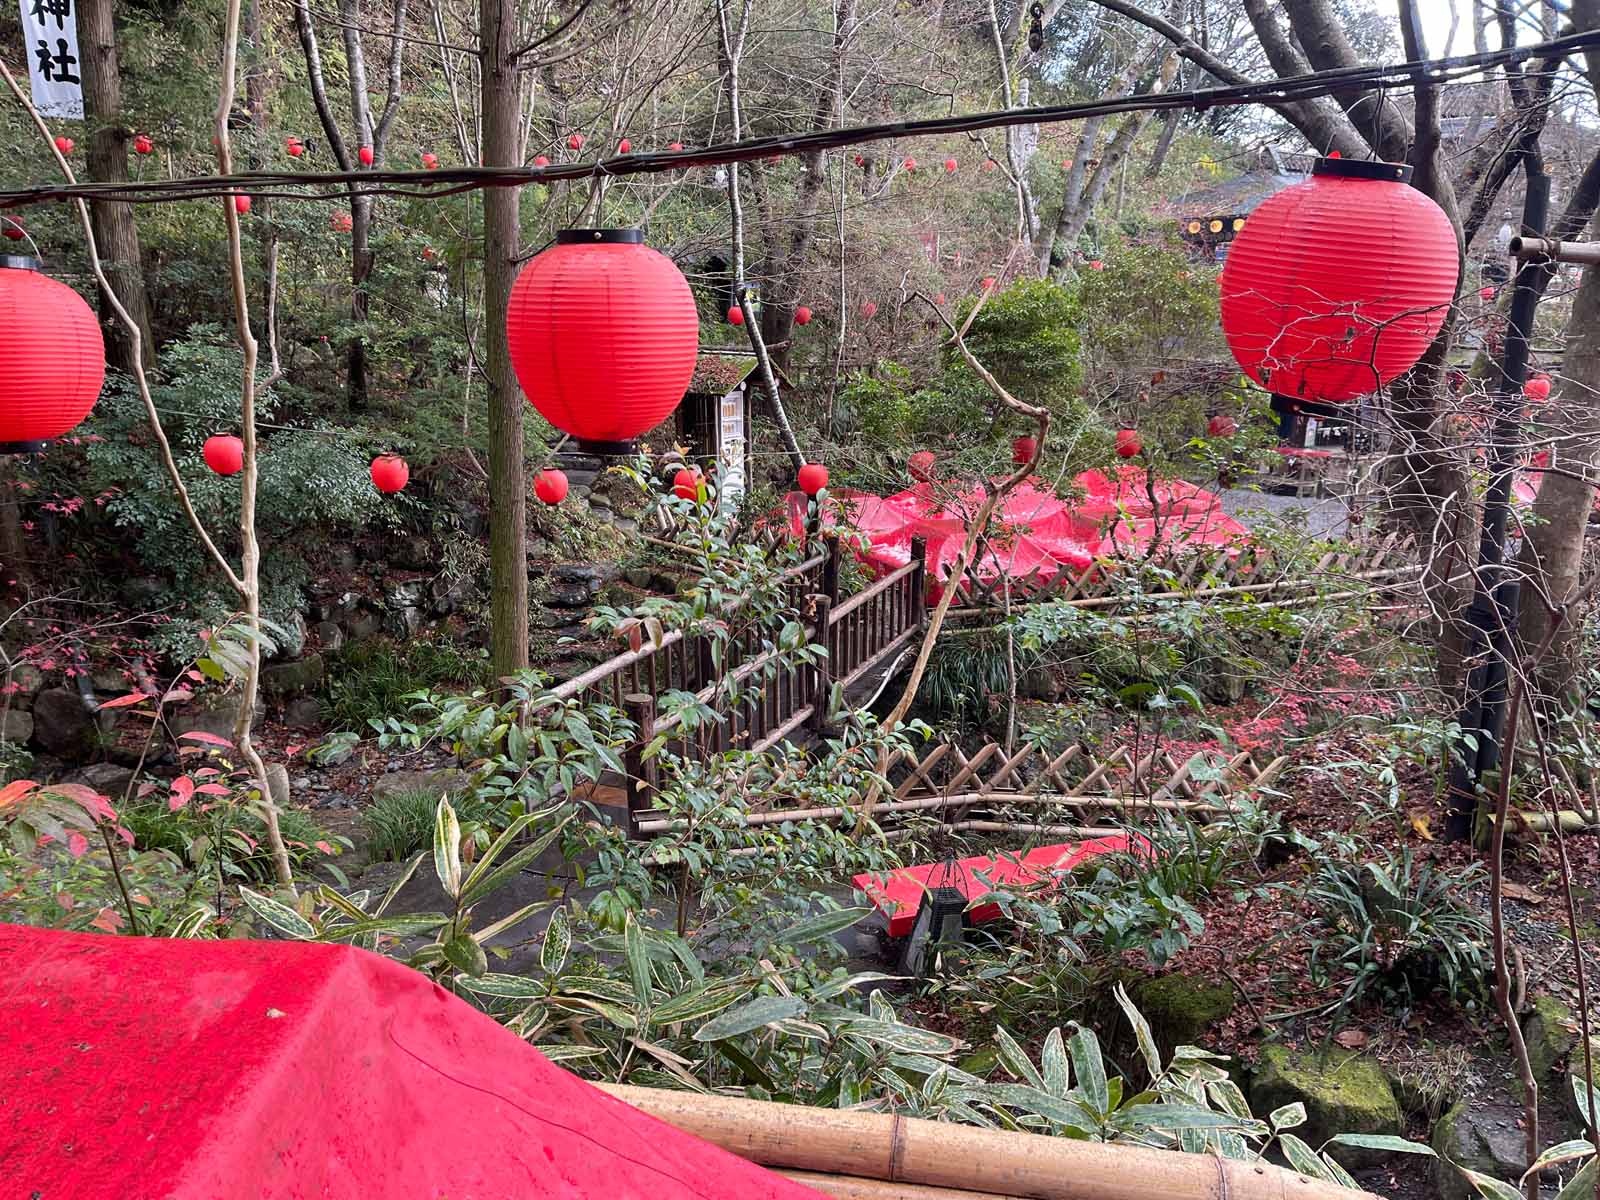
[[1492, 615]]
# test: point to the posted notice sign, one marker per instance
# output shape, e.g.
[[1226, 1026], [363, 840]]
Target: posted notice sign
[[50, 32]]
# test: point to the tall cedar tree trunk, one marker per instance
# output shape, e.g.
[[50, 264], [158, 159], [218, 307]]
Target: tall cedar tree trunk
[[114, 227], [508, 485]]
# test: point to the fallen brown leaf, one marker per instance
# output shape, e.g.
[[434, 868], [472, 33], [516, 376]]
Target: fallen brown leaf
[[1350, 1039]]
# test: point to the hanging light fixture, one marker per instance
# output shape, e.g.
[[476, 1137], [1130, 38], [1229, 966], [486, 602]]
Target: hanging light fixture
[[52, 357], [1337, 285], [603, 336], [390, 473], [224, 454]]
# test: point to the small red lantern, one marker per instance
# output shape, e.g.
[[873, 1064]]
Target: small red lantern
[[921, 465], [988, 283], [802, 315], [989, 164], [575, 142], [1337, 285], [365, 155], [390, 473], [550, 486], [13, 228], [539, 160], [736, 315], [910, 164], [53, 353], [813, 477], [341, 222], [1023, 449], [861, 160], [431, 161], [686, 484], [1128, 444], [868, 309], [951, 166], [224, 454], [676, 147], [1096, 265], [603, 335], [774, 159], [143, 145], [64, 144], [1221, 426], [241, 204], [939, 299], [1537, 388], [1486, 293], [294, 147], [624, 146]]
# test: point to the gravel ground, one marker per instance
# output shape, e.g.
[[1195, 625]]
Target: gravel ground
[[1324, 518]]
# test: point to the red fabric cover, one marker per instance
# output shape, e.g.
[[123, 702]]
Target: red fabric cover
[[900, 894], [183, 1070], [1035, 533]]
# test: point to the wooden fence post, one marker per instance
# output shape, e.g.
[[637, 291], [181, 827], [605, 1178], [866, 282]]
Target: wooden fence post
[[641, 772], [823, 668], [919, 579], [830, 569]]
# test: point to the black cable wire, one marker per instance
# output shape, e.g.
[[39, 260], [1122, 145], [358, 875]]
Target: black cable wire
[[452, 180]]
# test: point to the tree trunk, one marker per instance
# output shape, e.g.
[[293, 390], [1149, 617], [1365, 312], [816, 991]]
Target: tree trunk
[[1553, 541], [114, 228], [255, 94], [508, 486]]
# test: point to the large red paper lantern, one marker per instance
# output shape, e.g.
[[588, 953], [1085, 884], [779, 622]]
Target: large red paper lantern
[[550, 486], [603, 335], [390, 473], [1337, 285], [813, 477], [52, 357], [224, 454]]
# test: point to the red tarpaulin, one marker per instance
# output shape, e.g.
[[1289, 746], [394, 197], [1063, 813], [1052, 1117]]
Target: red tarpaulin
[[1033, 532], [151, 1069]]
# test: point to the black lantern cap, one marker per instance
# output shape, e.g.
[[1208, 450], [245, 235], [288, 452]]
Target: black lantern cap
[[592, 237], [1356, 168]]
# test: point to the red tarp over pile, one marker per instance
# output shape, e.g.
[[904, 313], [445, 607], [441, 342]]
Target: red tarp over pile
[[149, 1069], [1034, 532]]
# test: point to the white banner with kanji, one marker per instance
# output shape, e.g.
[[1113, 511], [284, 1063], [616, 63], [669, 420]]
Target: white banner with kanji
[[50, 32]]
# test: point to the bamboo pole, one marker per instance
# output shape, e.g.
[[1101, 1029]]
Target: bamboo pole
[[853, 1187], [1077, 831], [889, 1148]]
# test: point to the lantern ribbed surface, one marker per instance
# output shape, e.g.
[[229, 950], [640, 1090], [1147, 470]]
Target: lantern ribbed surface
[[52, 356], [603, 335], [1335, 286]]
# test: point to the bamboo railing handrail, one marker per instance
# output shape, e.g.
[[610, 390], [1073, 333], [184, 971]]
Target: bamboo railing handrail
[[931, 1154], [877, 588]]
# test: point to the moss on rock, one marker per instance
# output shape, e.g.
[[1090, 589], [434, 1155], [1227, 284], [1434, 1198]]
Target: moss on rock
[[1551, 1031], [1343, 1092], [1180, 1007]]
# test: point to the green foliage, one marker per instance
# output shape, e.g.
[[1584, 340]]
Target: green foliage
[[1027, 337], [401, 823], [1398, 929], [967, 679], [373, 678], [1150, 303], [230, 835]]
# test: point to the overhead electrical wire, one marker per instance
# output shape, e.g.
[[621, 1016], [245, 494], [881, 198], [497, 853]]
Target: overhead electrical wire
[[446, 181]]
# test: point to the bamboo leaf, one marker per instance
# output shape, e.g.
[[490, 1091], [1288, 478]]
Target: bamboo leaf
[[1290, 1116], [1489, 1187], [280, 916], [1582, 1185], [638, 961], [1053, 1059], [823, 925], [509, 987], [447, 849], [1141, 1032], [1091, 1070], [763, 1010], [1303, 1158], [1015, 1060], [465, 954], [557, 943], [1382, 1141]]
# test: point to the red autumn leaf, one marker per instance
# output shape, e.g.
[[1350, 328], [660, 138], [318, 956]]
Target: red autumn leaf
[[16, 790], [125, 701], [212, 789], [182, 793], [91, 801], [107, 919], [324, 847], [207, 739], [65, 900], [291, 751], [77, 844], [125, 834], [206, 772]]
